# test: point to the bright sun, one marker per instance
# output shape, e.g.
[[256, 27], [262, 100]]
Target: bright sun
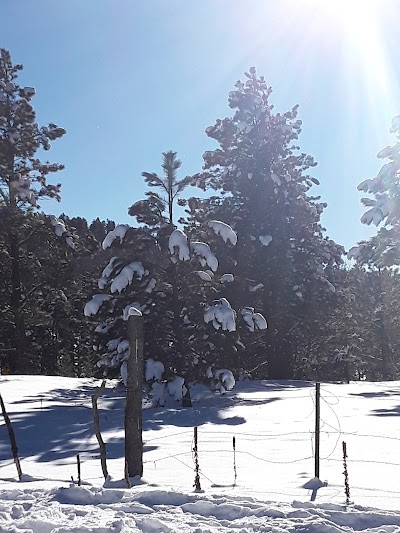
[[361, 23]]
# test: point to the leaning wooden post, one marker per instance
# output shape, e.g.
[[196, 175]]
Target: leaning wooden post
[[96, 422], [133, 408], [11, 436]]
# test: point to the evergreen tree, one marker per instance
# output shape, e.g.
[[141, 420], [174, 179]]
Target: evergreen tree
[[23, 182], [383, 249], [171, 280], [152, 210], [282, 262], [100, 228]]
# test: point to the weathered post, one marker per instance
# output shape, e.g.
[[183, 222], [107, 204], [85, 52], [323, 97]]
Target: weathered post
[[346, 474], [234, 461], [78, 462], [133, 408], [96, 421], [11, 436], [196, 485], [317, 429]]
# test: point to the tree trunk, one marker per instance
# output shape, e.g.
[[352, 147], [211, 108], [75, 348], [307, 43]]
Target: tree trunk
[[383, 331], [279, 366], [133, 409], [177, 329]]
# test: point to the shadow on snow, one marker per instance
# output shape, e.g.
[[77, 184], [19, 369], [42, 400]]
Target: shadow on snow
[[60, 425]]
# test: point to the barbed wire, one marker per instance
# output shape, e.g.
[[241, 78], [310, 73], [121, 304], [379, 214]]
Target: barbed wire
[[329, 399], [369, 461]]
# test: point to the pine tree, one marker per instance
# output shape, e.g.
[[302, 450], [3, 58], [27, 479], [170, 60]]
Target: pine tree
[[383, 249], [171, 280], [23, 182], [282, 262]]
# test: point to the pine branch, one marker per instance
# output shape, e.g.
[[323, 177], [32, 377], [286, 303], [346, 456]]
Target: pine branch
[[26, 297], [28, 237]]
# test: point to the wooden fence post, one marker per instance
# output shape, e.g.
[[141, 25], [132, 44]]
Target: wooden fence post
[[96, 422], [317, 426], [346, 474], [78, 462], [133, 408], [234, 461], [197, 485]]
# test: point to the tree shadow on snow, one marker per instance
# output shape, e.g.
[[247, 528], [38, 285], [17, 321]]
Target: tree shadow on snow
[[394, 411], [188, 417], [61, 425], [380, 394]]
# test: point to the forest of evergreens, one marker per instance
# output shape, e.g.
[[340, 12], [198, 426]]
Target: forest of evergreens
[[330, 315]]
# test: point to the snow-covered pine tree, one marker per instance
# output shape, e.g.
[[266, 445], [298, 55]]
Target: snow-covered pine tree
[[23, 182], [383, 249], [282, 262], [171, 280]]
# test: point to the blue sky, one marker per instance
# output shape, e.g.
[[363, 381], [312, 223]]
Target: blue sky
[[129, 80]]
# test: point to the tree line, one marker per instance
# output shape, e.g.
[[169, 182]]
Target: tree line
[[245, 278]]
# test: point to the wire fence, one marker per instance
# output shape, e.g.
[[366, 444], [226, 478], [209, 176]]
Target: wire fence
[[255, 457]]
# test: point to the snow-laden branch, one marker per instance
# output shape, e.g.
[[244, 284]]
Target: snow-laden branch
[[125, 277], [224, 230], [179, 242], [118, 232], [61, 231], [253, 320], [92, 307], [205, 255], [221, 315]]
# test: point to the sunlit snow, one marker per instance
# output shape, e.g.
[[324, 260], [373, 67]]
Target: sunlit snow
[[117, 233], [224, 230], [258, 487], [205, 255]]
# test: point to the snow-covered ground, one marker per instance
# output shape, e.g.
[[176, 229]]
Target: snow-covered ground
[[273, 426]]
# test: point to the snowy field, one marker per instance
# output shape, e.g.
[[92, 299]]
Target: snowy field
[[273, 426]]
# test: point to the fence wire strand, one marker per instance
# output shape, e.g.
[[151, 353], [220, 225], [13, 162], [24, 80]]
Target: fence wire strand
[[329, 399]]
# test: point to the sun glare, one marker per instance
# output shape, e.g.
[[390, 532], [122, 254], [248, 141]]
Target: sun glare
[[362, 24], [360, 28]]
